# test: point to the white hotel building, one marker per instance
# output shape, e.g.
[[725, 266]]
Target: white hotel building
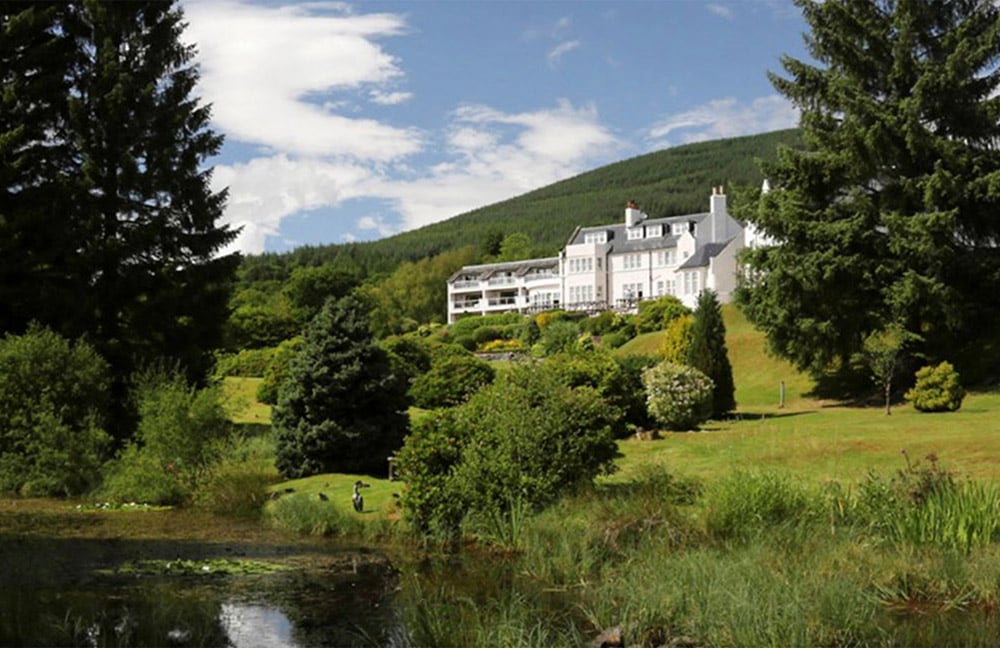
[[613, 266]]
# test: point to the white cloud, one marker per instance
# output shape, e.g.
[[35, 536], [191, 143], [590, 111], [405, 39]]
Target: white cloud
[[263, 191], [291, 83], [377, 223], [721, 11], [556, 53], [260, 82], [721, 118], [390, 98], [495, 155]]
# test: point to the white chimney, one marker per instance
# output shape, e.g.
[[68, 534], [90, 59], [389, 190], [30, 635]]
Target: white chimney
[[632, 214], [718, 216]]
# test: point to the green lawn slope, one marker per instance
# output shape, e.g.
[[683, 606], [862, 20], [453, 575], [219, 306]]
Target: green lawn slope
[[814, 440]]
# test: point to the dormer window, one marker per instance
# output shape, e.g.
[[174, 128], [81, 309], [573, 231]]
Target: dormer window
[[634, 233], [595, 237], [678, 228], [654, 231]]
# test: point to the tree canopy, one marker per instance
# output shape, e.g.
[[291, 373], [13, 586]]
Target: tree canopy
[[889, 214], [341, 408], [108, 224]]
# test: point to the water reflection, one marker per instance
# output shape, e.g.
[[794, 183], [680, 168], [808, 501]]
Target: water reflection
[[256, 626]]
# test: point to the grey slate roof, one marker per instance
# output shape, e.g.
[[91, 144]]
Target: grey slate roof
[[519, 268], [618, 236], [703, 254]]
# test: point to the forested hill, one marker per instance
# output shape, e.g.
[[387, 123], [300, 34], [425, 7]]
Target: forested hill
[[669, 182]]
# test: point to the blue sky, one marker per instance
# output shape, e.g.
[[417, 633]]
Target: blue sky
[[353, 121]]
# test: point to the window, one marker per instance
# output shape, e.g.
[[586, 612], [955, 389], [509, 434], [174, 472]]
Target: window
[[631, 261], [654, 230], [691, 282], [665, 258], [634, 233], [581, 264], [678, 228], [595, 237], [660, 289], [581, 294], [632, 290]]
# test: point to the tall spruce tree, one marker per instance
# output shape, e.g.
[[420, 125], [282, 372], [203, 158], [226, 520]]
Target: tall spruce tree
[[106, 204], [708, 352], [889, 213], [341, 408], [38, 185]]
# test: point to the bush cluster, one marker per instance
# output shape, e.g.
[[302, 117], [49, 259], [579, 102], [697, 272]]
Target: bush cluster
[[938, 389], [53, 402], [180, 436], [678, 397], [515, 445]]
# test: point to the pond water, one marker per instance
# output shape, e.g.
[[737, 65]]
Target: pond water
[[88, 593], [61, 592]]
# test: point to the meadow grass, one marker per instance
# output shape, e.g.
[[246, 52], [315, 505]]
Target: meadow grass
[[240, 399]]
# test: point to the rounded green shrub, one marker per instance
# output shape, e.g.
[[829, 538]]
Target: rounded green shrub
[[678, 397], [450, 381], [53, 406], [938, 389]]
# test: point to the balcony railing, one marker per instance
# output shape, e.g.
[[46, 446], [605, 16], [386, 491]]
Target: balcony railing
[[473, 283], [502, 281]]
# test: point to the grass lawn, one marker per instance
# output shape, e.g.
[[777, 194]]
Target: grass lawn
[[240, 398], [379, 499], [815, 440], [830, 443]]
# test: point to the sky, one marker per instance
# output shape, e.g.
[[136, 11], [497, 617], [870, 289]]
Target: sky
[[353, 121]]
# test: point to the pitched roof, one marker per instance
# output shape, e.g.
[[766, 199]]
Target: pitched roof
[[704, 254], [519, 268], [618, 236]]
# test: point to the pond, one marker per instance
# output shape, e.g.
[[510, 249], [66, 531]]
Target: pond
[[65, 592], [60, 591]]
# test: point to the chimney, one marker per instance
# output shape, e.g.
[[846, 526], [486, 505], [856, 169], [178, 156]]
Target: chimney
[[632, 214], [718, 216]]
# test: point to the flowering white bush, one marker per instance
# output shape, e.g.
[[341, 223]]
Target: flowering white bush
[[677, 396]]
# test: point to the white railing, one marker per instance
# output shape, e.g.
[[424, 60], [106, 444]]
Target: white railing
[[502, 281], [466, 284]]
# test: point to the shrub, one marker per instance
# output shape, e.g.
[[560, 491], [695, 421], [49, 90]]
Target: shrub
[[655, 314], [513, 447], [485, 334], [937, 389], [503, 346], [533, 439], [248, 363], [677, 397], [267, 391], [618, 381], [237, 484], [430, 501], [177, 440], [53, 403], [450, 381], [557, 337], [616, 339], [410, 354], [677, 339]]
